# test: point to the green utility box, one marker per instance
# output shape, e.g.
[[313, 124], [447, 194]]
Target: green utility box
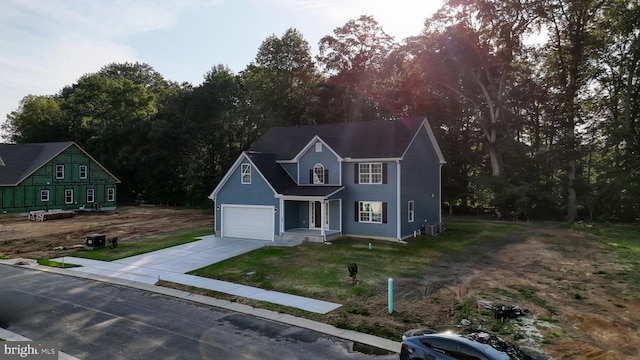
[[95, 241]]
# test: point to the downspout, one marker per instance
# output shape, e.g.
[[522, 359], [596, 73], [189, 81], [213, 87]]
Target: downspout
[[398, 205]]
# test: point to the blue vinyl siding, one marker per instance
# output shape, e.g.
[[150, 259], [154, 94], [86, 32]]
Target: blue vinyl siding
[[334, 215], [421, 183], [369, 192], [256, 193], [327, 158]]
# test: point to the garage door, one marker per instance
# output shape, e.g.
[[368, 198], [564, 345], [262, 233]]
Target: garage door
[[248, 222]]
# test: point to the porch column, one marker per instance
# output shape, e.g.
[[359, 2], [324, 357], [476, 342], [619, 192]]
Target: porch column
[[322, 219], [281, 216]]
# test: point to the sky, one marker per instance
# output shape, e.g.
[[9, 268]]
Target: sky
[[46, 45]]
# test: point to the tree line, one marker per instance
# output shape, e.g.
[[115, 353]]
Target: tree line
[[535, 104]]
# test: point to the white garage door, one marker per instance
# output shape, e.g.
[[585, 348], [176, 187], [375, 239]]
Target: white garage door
[[249, 222]]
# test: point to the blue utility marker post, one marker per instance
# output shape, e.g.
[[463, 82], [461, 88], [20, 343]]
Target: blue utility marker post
[[390, 295]]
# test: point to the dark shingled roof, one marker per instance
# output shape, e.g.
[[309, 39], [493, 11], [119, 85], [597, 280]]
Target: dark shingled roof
[[282, 182], [357, 140], [21, 160]]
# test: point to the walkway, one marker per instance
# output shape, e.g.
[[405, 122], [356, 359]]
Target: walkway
[[173, 263]]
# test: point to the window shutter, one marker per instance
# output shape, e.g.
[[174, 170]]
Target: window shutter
[[326, 176], [384, 173], [356, 171], [384, 212], [311, 176], [357, 218]]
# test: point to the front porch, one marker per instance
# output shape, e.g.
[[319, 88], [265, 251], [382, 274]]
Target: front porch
[[309, 219], [301, 235]]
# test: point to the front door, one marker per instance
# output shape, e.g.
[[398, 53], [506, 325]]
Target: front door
[[316, 215]]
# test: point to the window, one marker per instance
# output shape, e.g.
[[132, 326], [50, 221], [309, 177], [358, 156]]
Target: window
[[318, 174], [82, 171], [68, 196], [410, 211], [91, 195], [44, 195], [318, 147], [371, 212], [370, 173], [59, 171], [111, 194], [246, 173]]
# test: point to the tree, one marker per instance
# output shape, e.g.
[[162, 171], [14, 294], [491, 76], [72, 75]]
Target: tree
[[571, 47], [110, 118], [615, 147], [38, 119], [280, 84], [216, 130], [476, 57], [353, 59]]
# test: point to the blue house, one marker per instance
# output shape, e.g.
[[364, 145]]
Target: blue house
[[374, 179]]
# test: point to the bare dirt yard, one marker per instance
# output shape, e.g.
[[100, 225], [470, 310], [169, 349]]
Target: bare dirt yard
[[574, 286], [20, 238]]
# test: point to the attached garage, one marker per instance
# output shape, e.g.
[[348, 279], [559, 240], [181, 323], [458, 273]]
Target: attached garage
[[248, 222]]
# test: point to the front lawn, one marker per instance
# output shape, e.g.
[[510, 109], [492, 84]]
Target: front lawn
[[320, 271], [137, 247]]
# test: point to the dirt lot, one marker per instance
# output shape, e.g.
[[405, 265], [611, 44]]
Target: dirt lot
[[570, 282], [34, 239], [562, 276]]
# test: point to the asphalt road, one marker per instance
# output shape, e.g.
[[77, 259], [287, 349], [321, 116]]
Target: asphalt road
[[94, 320]]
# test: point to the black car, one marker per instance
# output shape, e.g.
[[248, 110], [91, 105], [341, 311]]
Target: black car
[[448, 343]]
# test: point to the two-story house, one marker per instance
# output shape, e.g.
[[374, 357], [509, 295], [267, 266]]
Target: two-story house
[[375, 179], [57, 175]]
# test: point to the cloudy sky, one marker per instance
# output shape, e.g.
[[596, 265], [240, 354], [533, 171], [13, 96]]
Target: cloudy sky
[[48, 44]]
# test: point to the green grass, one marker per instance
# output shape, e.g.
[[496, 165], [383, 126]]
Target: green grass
[[624, 241], [137, 247], [316, 269], [47, 262]]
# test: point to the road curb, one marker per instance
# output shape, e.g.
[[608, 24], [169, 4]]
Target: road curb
[[366, 339]]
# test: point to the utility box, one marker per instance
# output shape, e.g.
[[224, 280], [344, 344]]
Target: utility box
[[95, 241]]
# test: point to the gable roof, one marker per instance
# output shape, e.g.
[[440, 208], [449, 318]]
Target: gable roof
[[282, 183], [22, 160], [357, 140]]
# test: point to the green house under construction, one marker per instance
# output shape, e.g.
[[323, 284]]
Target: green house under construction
[[52, 176]]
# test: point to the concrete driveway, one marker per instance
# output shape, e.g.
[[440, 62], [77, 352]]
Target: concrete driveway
[[194, 255], [173, 263]]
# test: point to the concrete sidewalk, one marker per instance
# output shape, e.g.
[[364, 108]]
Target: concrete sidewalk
[[143, 271], [171, 264]]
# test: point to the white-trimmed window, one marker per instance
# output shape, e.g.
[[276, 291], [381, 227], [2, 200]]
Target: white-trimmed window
[[318, 174], [59, 171], [82, 171], [246, 173], [370, 173], [111, 194], [91, 195], [44, 195], [371, 212], [68, 196], [411, 210]]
